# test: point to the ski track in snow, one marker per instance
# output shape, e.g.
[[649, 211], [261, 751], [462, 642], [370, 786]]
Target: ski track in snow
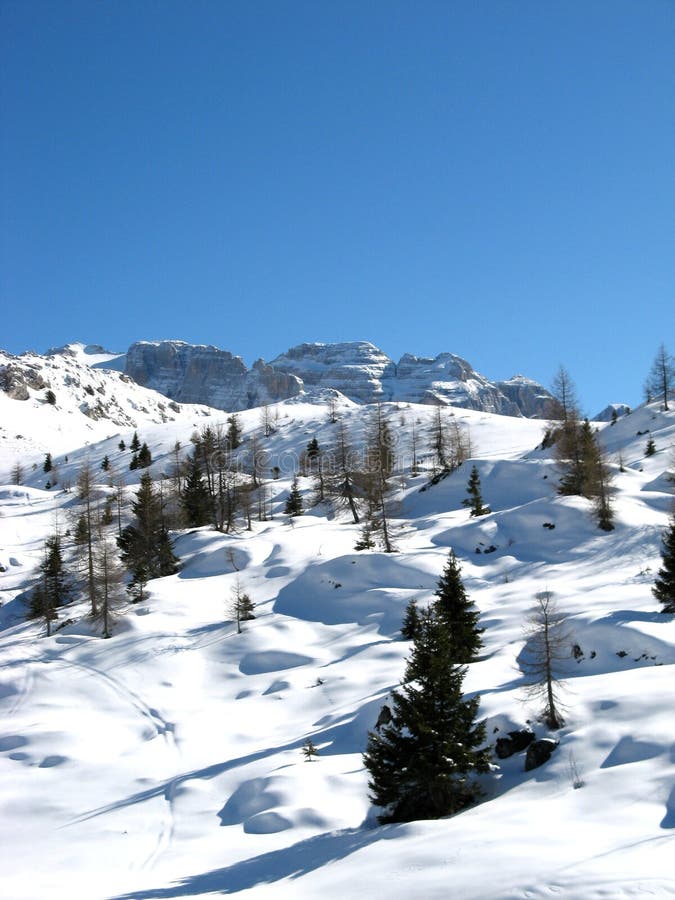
[[162, 727]]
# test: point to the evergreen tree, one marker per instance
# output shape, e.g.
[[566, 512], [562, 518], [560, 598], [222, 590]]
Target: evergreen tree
[[411, 621], [309, 750], [50, 397], [134, 461], [144, 457], [457, 613], [241, 606], [135, 444], [650, 449], [53, 589], [195, 501], [294, 502], [664, 586], [602, 494], [421, 764], [105, 463], [145, 546], [47, 465], [475, 499], [233, 432], [122, 446]]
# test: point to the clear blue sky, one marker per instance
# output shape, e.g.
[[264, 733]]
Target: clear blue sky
[[494, 178]]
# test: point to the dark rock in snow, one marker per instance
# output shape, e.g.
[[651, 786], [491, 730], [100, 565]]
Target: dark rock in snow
[[514, 743], [539, 752]]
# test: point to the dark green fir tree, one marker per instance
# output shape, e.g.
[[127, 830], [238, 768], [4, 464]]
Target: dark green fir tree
[[53, 589], [47, 465], [457, 613], [135, 444], [664, 585], [294, 502], [144, 457], [422, 764], [411, 621], [145, 545], [475, 498], [196, 500]]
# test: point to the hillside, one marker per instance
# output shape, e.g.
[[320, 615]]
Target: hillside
[[166, 761]]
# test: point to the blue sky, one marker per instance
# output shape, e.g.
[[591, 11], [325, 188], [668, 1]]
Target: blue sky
[[493, 179]]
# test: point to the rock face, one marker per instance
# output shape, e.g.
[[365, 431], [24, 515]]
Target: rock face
[[357, 369], [185, 371], [531, 398]]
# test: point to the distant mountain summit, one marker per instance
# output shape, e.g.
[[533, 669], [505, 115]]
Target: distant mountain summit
[[359, 370]]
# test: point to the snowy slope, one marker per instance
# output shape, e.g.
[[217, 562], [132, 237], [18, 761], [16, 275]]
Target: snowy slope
[[166, 761]]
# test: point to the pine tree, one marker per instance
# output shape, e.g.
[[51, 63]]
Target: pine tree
[[664, 586], [195, 501], [421, 764], [294, 502], [457, 613], [233, 432], [135, 444], [144, 457], [650, 449], [241, 607], [475, 499], [602, 494], [365, 540], [411, 621], [47, 465], [145, 546], [309, 750], [53, 589], [105, 464], [122, 446]]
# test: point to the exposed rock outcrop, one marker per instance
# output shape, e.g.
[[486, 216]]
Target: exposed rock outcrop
[[186, 372]]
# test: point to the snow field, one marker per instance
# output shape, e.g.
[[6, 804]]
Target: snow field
[[166, 761]]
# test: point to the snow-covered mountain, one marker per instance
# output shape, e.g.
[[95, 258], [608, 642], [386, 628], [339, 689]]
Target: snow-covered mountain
[[357, 369], [166, 761], [89, 402]]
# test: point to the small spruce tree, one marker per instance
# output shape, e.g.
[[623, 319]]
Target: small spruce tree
[[457, 613], [105, 463], [650, 449], [664, 585], [294, 502], [475, 499], [309, 750], [144, 457], [122, 446], [135, 444], [47, 465], [411, 621]]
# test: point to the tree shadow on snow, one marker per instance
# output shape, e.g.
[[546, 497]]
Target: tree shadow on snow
[[289, 862]]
